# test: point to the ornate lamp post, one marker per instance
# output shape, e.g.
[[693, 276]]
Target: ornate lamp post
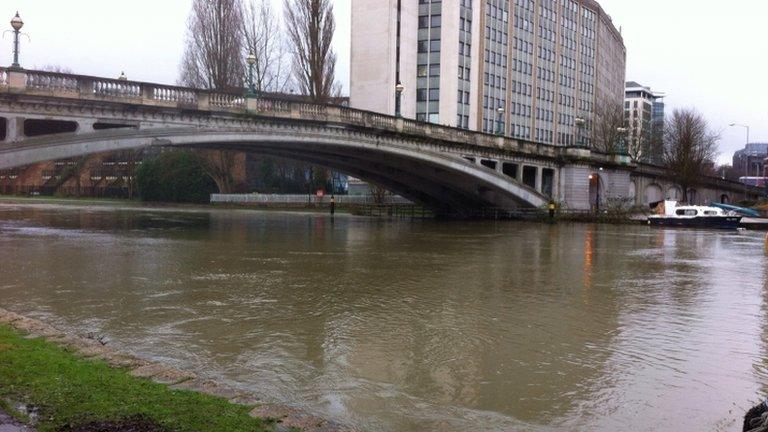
[[17, 24], [500, 128], [251, 60], [399, 89], [580, 123], [622, 140]]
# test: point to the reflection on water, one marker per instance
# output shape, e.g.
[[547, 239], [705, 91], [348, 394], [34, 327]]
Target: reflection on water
[[414, 326]]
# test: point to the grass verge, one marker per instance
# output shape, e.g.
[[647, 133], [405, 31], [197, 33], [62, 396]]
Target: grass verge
[[69, 390]]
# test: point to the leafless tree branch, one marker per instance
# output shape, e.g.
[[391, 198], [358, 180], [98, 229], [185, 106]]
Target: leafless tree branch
[[263, 38], [310, 26], [213, 57], [690, 148]]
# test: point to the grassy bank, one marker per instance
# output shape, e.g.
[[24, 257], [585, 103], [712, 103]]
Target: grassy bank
[[69, 392]]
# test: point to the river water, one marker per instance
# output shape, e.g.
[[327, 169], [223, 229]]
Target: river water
[[413, 325]]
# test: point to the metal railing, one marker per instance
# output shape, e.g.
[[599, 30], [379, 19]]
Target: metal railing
[[246, 199]]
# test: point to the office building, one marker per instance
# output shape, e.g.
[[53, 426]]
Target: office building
[[644, 111], [530, 69]]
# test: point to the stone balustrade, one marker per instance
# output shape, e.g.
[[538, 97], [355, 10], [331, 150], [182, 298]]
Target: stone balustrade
[[53, 84]]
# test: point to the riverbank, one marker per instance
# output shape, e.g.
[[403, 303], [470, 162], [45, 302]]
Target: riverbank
[[59, 382]]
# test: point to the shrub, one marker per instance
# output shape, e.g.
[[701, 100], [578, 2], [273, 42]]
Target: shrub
[[174, 176]]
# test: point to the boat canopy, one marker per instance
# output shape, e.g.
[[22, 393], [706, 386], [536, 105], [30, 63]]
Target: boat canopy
[[740, 210]]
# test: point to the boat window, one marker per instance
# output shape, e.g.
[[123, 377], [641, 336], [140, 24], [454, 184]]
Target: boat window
[[686, 212], [710, 213]]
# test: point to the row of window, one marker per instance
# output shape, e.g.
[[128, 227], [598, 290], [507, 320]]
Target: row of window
[[495, 81], [496, 59], [464, 73], [523, 67], [545, 95], [427, 46], [545, 114], [497, 12], [430, 21], [428, 90], [495, 35], [543, 135], [544, 74], [432, 70]]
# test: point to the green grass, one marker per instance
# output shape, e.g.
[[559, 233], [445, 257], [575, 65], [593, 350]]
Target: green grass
[[68, 389]]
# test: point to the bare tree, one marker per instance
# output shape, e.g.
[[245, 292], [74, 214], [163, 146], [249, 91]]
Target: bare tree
[[690, 148], [213, 57], [57, 69], [310, 26], [609, 129], [263, 38]]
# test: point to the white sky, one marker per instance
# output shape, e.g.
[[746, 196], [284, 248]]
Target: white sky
[[706, 54]]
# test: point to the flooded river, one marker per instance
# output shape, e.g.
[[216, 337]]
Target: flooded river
[[414, 326]]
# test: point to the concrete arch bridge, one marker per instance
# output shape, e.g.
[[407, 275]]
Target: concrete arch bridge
[[46, 116]]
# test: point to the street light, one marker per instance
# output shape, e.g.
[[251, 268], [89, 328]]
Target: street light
[[746, 162], [17, 24], [500, 129], [251, 60], [399, 89], [623, 139]]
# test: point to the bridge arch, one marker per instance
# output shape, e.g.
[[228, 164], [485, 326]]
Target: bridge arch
[[674, 193], [653, 194], [446, 183]]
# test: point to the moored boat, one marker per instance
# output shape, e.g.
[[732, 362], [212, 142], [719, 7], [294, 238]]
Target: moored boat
[[689, 216]]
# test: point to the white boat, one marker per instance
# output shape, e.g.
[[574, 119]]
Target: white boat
[[689, 216]]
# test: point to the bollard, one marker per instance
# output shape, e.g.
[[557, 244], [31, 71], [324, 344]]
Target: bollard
[[333, 205], [552, 208]]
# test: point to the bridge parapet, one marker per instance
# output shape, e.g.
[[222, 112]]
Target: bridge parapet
[[89, 88]]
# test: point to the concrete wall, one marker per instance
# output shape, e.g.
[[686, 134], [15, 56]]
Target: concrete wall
[[372, 76]]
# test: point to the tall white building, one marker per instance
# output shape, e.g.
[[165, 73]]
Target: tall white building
[[644, 111], [527, 68]]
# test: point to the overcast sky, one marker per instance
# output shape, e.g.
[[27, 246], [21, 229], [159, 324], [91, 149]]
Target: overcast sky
[[702, 53]]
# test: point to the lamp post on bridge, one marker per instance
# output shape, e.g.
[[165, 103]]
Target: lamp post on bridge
[[500, 128], [17, 24], [580, 123], [623, 148], [399, 89], [251, 60]]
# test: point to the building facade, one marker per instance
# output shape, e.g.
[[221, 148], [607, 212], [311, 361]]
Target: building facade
[[749, 163], [644, 111], [532, 69]]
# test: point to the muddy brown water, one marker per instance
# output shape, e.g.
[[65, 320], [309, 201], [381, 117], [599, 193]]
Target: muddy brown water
[[413, 326]]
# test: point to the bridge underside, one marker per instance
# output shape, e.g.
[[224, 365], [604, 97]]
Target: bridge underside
[[447, 184], [444, 191]]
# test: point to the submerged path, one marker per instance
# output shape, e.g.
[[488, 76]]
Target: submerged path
[[9, 424]]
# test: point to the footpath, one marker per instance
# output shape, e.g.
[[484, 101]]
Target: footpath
[[8, 424]]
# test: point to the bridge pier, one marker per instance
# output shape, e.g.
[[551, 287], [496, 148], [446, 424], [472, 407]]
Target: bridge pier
[[538, 182], [14, 129]]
